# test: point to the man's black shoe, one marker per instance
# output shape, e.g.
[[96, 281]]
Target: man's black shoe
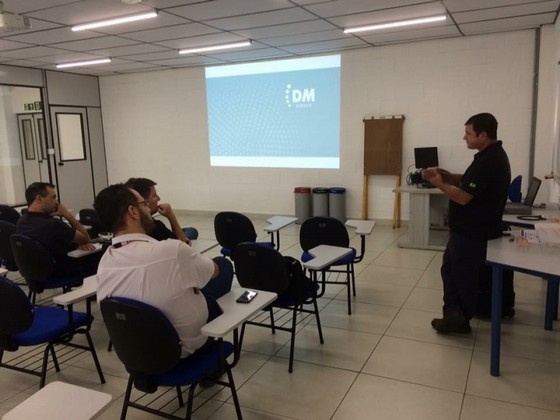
[[451, 324], [211, 379]]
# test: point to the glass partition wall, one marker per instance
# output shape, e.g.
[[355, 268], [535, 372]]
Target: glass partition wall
[[23, 142]]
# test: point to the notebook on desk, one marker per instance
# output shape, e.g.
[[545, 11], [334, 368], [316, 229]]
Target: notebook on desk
[[526, 207]]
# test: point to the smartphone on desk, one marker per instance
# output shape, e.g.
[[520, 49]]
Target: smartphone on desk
[[247, 296]]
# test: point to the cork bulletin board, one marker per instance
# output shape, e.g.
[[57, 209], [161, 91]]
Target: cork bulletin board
[[383, 145], [383, 138]]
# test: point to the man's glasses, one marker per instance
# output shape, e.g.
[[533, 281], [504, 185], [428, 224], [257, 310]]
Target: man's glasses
[[145, 202]]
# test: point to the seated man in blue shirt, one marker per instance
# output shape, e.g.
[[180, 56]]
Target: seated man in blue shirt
[[147, 189], [57, 236]]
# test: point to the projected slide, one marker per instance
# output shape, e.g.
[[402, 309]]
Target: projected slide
[[281, 114]]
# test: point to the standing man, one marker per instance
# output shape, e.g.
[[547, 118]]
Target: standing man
[[147, 189], [58, 237], [476, 204], [168, 275]]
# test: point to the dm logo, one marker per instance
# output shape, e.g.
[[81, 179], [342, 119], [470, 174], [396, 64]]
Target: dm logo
[[300, 98]]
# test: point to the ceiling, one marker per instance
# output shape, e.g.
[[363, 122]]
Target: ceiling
[[278, 29]]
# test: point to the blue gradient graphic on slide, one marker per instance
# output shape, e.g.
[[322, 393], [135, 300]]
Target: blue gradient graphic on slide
[[283, 113]]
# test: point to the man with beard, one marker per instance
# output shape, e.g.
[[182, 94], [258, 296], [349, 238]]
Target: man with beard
[[168, 275], [42, 223], [147, 189]]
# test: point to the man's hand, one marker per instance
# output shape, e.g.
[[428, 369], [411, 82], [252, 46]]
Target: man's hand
[[430, 173], [62, 211], [87, 247], [165, 210]]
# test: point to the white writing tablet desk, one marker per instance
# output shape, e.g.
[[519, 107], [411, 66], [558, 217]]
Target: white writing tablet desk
[[203, 245], [325, 255], [59, 400], [275, 224]]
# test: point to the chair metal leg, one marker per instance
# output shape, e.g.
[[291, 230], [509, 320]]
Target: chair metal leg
[[272, 321], [190, 401], [95, 359], [234, 394], [55, 359], [353, 278], [180, 396], [319, 329], [292, 339], [348, 289], [127, 397]]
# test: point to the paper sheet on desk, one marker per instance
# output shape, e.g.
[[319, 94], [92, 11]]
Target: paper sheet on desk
[[548, 233], [81, 252]]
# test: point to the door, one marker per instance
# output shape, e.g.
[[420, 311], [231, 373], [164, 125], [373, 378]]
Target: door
[[73, 156], [33, 147]]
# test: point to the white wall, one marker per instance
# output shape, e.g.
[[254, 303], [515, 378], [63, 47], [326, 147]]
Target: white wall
[[155, 123]]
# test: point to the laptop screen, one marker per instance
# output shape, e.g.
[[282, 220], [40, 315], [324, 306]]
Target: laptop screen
[[532, 191]]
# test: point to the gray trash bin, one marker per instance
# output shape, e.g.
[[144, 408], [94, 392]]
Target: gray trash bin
[[337, 203], [320, 201], [303, 203]]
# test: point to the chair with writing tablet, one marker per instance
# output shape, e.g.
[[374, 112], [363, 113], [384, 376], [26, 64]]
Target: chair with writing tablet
[[263, 268], [148, 345], [37, 267], [9, 214], [24, 325], [232, 228], [321, 230]]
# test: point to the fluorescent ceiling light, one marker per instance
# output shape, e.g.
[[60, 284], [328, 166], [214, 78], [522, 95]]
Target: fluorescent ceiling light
[[114, 21], [83, 63], [216, 47], [396, 24]]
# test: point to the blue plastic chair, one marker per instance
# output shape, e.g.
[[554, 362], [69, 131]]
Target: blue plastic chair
[[233, 228], [37, 266], [9, 214], [514, 192], [150, 349], [263, 268], [23, 325], [330, 231]]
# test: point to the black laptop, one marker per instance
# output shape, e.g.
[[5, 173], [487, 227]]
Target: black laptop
[[526, 207]]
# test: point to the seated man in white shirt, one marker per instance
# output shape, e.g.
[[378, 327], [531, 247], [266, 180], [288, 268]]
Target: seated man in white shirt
[[169, 274]]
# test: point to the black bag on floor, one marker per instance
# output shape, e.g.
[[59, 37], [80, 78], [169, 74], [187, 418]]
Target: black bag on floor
[[484, 301]]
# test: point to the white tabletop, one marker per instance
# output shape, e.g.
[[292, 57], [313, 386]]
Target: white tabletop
[[235, 313], [279, 222], [325, 255], [539, 258], [88, 289], [203, 245], [59, 400], [412, 189], [77, 253], [363, 227]]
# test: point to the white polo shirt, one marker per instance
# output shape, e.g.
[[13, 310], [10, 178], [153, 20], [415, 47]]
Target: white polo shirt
[[165, 274]]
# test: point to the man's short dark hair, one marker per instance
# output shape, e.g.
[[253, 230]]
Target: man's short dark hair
[[111, 205], [484, 122], [35, 189], [142, 185]]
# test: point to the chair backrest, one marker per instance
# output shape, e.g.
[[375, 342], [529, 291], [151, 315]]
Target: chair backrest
[[323, 231], [91, 218], [9, 214], [34, 261], [232, 228], [514, 192], [6, 255], [260, 267], [144, 339], [16, 312]]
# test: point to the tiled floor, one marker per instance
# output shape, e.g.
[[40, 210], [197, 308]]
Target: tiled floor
[[382, 362]]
